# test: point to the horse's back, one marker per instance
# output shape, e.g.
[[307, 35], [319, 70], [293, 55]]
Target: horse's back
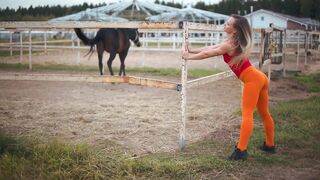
[[113, 39]]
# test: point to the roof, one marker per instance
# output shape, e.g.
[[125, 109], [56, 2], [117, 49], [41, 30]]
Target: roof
[[141, 10], [119, 11], [189, 14], [90, 15]]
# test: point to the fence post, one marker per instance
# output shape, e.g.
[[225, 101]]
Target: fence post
[[78, 54], [284, 52], [10, 40], [30, 51], [45, 42], [21, 46], [298, 49], [306, 48], [184, 74]]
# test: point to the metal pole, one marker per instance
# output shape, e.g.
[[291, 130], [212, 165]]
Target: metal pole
[[184, 74]]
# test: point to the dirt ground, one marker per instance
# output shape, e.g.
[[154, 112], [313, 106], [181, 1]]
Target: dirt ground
[[141, 119]]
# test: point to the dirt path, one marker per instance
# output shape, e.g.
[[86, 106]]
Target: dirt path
[[138, 118]]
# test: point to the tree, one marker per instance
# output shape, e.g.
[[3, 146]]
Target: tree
[[305, 8], [201, 5]]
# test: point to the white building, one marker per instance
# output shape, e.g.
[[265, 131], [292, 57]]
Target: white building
[[263, 18]]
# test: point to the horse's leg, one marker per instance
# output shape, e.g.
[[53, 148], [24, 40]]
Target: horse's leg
[[122, 57], [111, 58], [100, 56], [100, 63]]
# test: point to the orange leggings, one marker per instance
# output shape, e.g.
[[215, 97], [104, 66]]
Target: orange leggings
[[255, 94]]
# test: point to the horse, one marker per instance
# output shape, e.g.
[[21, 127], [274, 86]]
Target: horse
[[113, 41]]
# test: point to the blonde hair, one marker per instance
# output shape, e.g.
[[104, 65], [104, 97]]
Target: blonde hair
[[242, 39]]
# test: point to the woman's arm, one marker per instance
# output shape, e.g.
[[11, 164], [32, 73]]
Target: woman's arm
[[219, 49], [197, 50]]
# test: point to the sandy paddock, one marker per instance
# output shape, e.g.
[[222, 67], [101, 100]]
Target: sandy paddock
[[140, 119]]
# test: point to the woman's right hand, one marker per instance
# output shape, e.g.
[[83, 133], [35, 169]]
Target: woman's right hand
[[185, 55]]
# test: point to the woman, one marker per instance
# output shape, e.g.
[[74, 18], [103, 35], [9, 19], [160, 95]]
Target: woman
[[235, 51]]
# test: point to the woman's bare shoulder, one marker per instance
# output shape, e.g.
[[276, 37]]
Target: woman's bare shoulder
[[226, 46]]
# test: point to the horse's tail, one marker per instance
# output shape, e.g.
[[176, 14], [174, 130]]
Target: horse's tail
[[85, 40]]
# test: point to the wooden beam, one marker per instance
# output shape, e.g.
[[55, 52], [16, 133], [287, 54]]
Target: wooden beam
[[208, 79], [140, 81], [152, 83], [277, 55], [42, 25], [204, 27], [86, 24], [222, 75]]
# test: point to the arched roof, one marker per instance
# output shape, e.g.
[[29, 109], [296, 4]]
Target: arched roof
[[192, 15], [141, 10]]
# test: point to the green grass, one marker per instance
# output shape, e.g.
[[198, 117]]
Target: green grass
[[296, 127], [312, 82], [14, 53], [85, 68], [296, 136]]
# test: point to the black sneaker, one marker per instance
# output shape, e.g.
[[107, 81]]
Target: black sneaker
[[270, 150], [239, 155]]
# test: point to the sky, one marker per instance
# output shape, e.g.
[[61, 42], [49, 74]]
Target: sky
[[26, 3]]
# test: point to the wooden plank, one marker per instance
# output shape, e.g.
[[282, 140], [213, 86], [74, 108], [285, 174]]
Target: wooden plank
[[94, 78], [208, 79], [222, 75], [86, 24], [151, 83], [277, 55], [204, 27]]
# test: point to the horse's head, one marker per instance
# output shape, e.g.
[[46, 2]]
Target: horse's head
[[134, 36]]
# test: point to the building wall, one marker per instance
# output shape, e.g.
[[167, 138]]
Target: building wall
[[296, 26], [263, 20]]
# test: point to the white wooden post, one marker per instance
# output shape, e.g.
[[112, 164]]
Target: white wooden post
[[10, 40], [306, 48], [30, 51], [284, 52], [174, 40], [72, 41], [269, 71], [184, 74], [144, 39], [218, 37], [298, 49], [78, 57], [147, 37], [45, 42], [159, 34], [21, 46]]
